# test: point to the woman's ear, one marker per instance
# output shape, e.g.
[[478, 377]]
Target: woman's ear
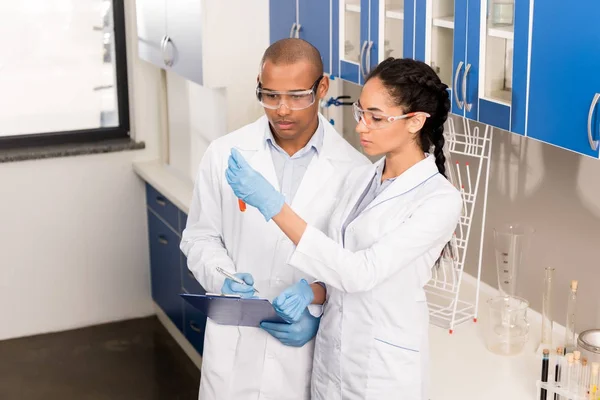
[[415, 124]]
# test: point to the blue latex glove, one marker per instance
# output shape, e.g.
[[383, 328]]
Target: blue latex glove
[[252, 187], [231, 287], [292, 302], [296, 334]]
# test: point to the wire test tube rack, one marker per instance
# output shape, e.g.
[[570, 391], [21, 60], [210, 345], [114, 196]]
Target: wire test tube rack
[[446, 309]]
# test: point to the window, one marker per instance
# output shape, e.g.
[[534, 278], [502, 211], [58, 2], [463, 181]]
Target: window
[[63, 72]]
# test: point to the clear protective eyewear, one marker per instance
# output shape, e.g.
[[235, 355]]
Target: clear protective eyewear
[[377, 120], [293, 100]]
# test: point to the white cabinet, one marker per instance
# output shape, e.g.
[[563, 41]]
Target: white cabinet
[[212, 43]]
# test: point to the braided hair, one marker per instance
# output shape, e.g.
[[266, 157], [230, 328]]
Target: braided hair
[[414, 86]]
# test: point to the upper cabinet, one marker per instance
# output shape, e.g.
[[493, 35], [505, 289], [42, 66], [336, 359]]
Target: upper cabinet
[[479, 49], [370, 31], [564, 86], [305, 19], [200, 39]]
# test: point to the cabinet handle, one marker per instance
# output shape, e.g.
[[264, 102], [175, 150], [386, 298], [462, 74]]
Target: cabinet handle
[[360, 60], [162, 240], [195, 327], [593, 143], [368, 58], [460, 103], [468, 106], [297, 34], [293, 30], [168, 61], [161, 201], [163, 42]]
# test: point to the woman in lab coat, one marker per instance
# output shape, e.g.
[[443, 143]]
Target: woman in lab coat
[[390, 225]]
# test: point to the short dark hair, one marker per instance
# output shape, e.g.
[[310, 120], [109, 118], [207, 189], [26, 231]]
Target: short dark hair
[[292, 50]]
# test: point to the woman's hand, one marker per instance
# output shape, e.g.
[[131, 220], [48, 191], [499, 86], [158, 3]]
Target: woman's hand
[[252, 187], [292, 302]]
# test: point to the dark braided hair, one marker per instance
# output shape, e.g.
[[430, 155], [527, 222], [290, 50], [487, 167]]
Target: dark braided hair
[[414, 86]]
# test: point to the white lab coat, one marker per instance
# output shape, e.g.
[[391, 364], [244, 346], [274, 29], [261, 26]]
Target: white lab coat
[[373, 339], [247, 363]]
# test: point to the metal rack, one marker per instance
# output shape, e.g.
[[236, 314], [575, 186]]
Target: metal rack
[[446, 309]]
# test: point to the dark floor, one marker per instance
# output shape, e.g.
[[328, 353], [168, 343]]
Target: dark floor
[[135, 359]]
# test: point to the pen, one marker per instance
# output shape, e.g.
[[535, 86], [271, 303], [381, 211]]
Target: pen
[[233, 277]]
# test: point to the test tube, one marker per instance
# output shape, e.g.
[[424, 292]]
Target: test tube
[[559, 360], [575, 372], [568, 372], [584, 380], [594, 381]]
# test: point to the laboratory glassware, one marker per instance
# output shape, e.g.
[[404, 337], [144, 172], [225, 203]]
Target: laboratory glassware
[[570, 342], [511, 242], [507, 327]]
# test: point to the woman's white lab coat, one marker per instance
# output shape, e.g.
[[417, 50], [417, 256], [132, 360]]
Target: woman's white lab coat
[[247, 363], [373, 338]]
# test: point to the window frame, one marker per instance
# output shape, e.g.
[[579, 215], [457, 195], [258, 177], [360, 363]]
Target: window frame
[[122, 131]]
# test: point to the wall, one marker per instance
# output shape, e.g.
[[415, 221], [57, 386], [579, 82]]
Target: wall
[[73, 247]]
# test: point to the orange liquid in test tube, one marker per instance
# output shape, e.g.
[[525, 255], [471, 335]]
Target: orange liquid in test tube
[[242, 205]]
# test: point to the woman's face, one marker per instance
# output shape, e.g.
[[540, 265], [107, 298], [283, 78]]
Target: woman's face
[[379, 136]]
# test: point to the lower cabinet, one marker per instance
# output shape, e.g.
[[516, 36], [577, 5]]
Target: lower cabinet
[[168, 270]]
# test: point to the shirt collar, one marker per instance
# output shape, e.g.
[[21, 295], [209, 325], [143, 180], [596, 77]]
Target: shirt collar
[[315, 142]]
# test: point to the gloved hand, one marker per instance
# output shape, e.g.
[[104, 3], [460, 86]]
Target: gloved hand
[[296, 334], [252, 187], [231, 287], [292, 302]]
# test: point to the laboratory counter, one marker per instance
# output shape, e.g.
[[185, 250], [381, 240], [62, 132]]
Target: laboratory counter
[[461, 366]]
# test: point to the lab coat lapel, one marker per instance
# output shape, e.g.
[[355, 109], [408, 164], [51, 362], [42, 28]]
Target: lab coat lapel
[[357, 190], [410, 179]]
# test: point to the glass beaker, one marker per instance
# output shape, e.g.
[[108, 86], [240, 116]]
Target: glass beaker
[[511, 241], [507, 328]]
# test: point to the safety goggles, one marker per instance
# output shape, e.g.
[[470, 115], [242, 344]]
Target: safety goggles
[[293, 100], [377, 120]]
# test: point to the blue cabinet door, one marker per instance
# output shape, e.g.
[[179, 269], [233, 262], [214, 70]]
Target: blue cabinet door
[[314, 17], [282, 19], [459, 56], [565, 74], [471, 80], [373, 24], [165, 269], [195, 325]]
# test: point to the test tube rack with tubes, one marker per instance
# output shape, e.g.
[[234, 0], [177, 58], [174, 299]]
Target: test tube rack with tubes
[[553, 388], [446, 309]]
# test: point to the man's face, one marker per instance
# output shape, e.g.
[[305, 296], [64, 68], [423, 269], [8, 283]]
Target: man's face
[[290, 124]]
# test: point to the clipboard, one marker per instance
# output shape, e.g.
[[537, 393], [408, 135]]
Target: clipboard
[[233, 310]]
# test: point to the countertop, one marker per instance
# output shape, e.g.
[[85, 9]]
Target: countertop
[[461, 366]]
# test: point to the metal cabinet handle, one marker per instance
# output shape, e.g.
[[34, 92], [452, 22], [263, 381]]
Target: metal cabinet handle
[[293, 30], [593, 143], [195, 327], [368, 59], [468, 106], [161, 201], [162, 239], [298, 27], [360, 59], [163, 42], [168, 61], [455, 88]]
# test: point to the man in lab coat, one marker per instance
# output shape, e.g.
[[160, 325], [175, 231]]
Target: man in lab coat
[[301, 155]]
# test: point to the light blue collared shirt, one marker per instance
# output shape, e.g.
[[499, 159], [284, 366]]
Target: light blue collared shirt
[[290, 170], [374, 189]]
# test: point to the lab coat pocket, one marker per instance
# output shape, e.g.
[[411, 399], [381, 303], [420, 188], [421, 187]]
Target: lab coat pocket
[[395, 367]]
